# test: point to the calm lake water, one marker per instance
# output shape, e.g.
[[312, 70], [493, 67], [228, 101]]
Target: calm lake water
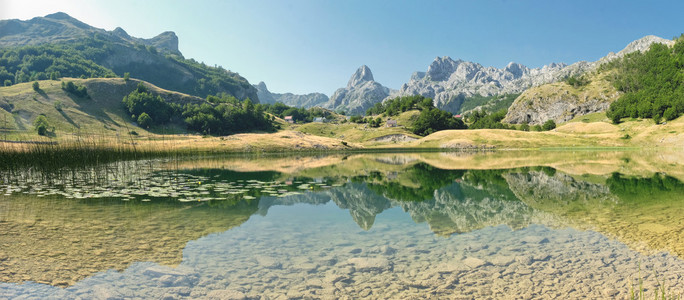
[[401, 226]]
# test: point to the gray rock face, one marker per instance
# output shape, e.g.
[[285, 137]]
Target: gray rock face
[[361, 93], [560, 108], [305, 101], [448, 82], [362, 75]]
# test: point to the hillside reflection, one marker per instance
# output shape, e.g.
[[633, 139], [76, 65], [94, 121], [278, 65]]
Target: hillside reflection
[[62, 226]]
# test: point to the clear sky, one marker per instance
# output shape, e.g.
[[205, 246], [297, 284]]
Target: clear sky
[[304, 46]]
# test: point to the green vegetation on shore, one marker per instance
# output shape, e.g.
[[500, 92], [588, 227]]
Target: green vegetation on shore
[[218, 116], [652, 83]]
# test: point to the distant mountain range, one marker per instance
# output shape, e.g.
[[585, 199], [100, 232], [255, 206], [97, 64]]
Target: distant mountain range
[[306, 101], [69, 44], [450, 82]]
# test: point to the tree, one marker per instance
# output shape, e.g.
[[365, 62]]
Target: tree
[[549, 125], [36, 86], [41, 125], [8, 82], [144, 120], [433, 119], [525, 127], [127, 76]]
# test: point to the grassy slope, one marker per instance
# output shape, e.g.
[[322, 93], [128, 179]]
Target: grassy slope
[[103, 114], [642, 133]]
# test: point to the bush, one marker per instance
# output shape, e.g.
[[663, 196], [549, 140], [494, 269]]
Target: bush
[[577, 81], [127, 76], [7, 82], [41, 125], [525, 127], [549, 125], [537, 127], [58, 105], [36, 86], [144, 120]]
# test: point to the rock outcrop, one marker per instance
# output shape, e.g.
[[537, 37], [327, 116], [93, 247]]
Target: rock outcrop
[[561, 102], [305, 101], [361, 93]]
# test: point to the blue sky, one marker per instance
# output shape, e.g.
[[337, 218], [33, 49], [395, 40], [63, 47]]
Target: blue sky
[[307, 46]]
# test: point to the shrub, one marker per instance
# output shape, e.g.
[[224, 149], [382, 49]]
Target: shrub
[[144, 120], [41, 125], [549, 125], [36, 86]]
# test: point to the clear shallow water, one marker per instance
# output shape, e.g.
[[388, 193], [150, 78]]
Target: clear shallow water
[[390, 230]]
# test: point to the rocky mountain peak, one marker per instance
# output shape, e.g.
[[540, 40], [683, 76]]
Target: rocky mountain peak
[[166, 40], [121, 33], [59, 16], [644, 44], [516, 69], [363, 74], [441, 68]]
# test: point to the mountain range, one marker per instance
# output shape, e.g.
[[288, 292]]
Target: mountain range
[[71, 47], [305, 101], [450, 83]]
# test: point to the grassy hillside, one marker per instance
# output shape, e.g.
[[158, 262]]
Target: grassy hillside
[[363, 133], [633, 133], [101, 114]]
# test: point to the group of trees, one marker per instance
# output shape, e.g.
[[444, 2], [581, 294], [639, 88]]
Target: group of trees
[[299, 115], [652, 83], [219, 115], [74, 89], [227, 117], [431, 119], [482, 120], [149, 109], [52, 61], [393, 107]]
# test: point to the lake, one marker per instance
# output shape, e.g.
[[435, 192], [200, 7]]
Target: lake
[[502, 225]]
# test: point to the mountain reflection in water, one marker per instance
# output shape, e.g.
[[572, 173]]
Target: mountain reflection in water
[[63, 226]]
